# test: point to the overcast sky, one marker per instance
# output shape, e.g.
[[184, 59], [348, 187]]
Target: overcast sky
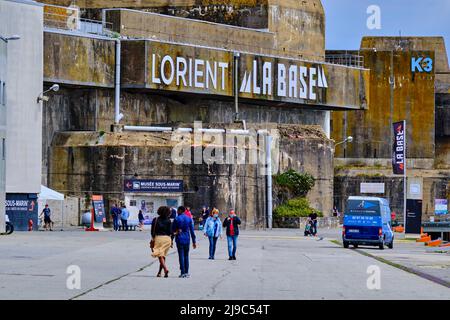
[[346, 20]]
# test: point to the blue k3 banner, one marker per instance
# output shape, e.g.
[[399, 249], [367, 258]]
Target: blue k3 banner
[[134, 185], [399, 148]]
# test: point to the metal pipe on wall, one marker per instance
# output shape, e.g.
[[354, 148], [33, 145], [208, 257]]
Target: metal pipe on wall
[[236, 86], [117, 115], [269, 179], [146, 128]]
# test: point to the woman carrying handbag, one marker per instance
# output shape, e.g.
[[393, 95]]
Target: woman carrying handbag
[[161, 239]]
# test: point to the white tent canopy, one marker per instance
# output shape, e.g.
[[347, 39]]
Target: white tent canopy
[[49, 194]]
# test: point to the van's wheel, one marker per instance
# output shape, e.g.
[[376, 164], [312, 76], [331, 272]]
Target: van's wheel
[[355, 246], [381, 246], [346, 244], [391, 244]]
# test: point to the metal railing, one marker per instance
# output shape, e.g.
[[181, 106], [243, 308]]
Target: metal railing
[[72, 22], [346, 59]]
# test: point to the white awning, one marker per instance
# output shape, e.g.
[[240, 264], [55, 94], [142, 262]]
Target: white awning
[[49, 194]]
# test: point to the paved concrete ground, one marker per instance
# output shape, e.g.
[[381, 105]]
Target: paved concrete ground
[[419, 258], [279, 264]]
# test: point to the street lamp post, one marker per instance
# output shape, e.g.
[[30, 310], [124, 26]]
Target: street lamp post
[[348, 139], [41, 97], [6, 39]]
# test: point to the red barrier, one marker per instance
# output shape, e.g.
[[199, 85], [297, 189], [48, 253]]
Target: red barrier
[[91, 228]]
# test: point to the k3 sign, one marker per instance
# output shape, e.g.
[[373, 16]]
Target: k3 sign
[[399, 147], [421, 64]]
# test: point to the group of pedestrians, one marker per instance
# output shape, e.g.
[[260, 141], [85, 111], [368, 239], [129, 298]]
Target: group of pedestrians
[[213, 230], [120, 214], [167, 227]]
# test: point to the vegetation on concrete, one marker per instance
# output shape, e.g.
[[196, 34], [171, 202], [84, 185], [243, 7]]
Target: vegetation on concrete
[[295, 208], [296, 183], [292, 188]]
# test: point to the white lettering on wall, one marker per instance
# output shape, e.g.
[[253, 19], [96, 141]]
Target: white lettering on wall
[[281, 80], [293, 81]]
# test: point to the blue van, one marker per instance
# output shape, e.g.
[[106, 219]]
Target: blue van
[[367, 221]]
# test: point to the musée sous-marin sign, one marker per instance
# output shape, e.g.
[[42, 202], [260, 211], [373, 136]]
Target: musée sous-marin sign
[[201, 70]]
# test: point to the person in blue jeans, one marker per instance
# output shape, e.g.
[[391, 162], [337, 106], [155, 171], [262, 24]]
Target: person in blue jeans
[[183, 229], [124, 215], [213, 230], [115, 213], [231, 223]]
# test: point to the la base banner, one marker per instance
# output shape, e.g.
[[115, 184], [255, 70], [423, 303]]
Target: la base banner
[[399, 147]]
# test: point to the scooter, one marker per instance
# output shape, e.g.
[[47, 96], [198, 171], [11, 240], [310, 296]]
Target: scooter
[[9, 226]]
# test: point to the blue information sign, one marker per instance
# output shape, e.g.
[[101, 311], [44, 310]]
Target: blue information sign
[[134, 185]]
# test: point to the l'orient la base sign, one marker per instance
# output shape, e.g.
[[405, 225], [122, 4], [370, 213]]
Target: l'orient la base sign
[[207, 71]]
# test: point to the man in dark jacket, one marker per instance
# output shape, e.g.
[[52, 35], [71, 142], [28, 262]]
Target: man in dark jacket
[[115, 213], [232, 225], [183, 228]]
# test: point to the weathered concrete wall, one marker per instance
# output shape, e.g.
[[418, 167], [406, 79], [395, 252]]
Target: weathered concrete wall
[[136, 24], [86, 163], [77, 60], [243, 13], [295, 30], [313, 156], [79, 170], [435, 186], [413, 100], [299, 28], [87, 109]]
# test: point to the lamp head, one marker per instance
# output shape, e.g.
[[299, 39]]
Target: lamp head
[[54, 87], [350, 139], [13, 37]]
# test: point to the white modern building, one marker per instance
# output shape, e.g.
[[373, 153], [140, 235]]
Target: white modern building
[[24, 74], [3, 57]]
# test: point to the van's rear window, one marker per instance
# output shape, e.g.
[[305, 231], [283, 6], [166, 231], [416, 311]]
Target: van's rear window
[[362, 208]]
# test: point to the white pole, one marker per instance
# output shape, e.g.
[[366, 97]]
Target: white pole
[[269, 180], [405, 184], [117, 115], [62, 213]]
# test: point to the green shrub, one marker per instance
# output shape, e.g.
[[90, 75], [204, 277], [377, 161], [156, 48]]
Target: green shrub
[[297, 183], [294, 208]]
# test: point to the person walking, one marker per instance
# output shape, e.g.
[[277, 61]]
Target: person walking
[[162, 238], [231, 223], [213, 230], [141, 220], [47, 218], [204, 215], [115, 213], [124, 215], [183, 230]]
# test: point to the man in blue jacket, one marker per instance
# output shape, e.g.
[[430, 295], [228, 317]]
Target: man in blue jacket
[[125, 214], [183, 228]]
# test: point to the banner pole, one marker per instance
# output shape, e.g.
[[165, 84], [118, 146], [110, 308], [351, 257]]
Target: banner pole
[[405, 184]]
